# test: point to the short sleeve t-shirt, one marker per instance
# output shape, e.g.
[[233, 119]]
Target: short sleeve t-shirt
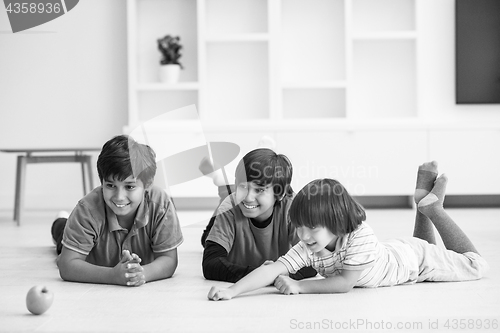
[[93, 230], [383, 264], [247, 244]]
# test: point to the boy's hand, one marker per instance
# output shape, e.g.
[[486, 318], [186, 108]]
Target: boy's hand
[[120, 269], [216, 294], [136, 258], [287, 285], [128, 271], [135, 272]]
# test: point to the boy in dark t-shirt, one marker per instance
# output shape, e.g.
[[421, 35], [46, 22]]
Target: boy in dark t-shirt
[[251, 226]]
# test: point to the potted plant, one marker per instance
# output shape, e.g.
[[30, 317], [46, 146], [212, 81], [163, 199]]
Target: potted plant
[[170, 53]]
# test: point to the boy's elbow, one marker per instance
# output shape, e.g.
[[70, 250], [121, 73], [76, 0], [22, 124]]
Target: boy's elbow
[[210, 272], [63, 270], [168, 266], [171, 270], [63, 275], [338, 285], [345, 289], [339, 289], [66, 268], [207, 272]]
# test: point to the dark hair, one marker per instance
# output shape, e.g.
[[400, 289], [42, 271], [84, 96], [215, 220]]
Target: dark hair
[[325, 202], [122, 157], [263, 167]]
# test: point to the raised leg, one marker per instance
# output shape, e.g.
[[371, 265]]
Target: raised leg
[[426, 176], [432, 206]]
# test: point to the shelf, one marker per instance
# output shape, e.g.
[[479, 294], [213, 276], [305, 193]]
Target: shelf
[[315, 75], [166, 87], [383, 15], [277, 61], [385, 82], [237, 38], [385, 35], [153, 103], [312, 41], [332, 124], [315, 85], [239, 17], [237, 87], [154, 19]]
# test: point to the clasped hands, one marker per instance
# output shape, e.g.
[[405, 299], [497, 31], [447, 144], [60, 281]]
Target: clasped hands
[[129, 270]]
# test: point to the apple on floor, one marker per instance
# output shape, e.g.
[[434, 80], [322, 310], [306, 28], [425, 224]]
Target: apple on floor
[[39, 299]]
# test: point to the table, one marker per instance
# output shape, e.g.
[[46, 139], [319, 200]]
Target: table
[[29, 155]]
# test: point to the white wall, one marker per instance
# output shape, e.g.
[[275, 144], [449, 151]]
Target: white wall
[[436, 68], [62, 84], [65, 84]]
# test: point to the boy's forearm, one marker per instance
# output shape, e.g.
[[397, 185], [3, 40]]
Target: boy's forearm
[[216, 266], [331, 285], [162, 267], [258, 278], [82, 271], [220, 269]]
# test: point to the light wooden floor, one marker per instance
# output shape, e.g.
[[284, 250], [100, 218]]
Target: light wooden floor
[[179, 304]]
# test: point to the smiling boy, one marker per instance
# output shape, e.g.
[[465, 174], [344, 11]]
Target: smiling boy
[[252, 226], [126, 231]]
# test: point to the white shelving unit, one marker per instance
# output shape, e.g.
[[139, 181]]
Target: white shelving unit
[[333, 81], [276, 60]]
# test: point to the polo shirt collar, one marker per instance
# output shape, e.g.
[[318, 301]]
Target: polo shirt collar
[[113, 224], [142, 216]]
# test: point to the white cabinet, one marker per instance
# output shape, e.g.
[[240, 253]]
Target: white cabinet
[[333, 81], [469, 158], [276, 60], [366, 162]]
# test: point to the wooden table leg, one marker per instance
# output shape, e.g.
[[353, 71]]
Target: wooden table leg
[[20, 180], [88, 159], [86, 162], [82, 162]]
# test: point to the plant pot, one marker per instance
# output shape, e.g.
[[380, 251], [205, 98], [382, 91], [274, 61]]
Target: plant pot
[[170, 73]]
